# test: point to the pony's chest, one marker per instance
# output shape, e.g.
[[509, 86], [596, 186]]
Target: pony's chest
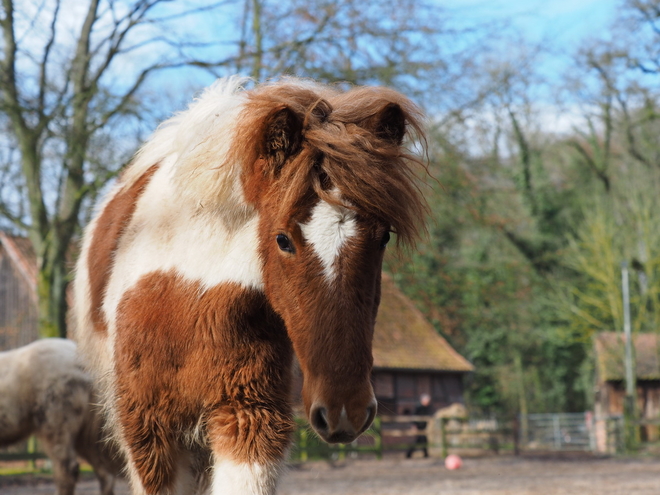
[[176, 335], [165, 305]]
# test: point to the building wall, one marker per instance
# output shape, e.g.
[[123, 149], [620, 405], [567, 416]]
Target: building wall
[[610, 398], [650, 399], [398, 391], [18, 311]]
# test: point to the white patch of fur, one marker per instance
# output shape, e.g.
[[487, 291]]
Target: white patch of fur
[[328, 230], [134, 479], [167, 235], [231, 478]]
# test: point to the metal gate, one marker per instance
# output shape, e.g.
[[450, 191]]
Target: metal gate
[[558, 431]]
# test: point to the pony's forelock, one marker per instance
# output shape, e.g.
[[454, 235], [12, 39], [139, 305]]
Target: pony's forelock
[[341, 146]]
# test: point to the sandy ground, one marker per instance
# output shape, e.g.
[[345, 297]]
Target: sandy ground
[[484, 476]]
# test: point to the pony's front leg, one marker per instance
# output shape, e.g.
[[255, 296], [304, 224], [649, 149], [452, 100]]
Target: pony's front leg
[[232, 477], [249, 448], [157, 465]]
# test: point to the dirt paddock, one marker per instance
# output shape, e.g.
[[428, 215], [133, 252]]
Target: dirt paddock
[[576, 475]]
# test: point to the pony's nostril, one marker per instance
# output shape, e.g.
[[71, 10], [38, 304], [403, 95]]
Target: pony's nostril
[[319, 419], [371, 414]]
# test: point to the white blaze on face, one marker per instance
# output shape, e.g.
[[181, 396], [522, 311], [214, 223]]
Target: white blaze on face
[[328, 230]]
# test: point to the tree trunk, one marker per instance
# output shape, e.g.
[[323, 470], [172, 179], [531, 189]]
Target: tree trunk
[[526, 162], [52, 283], [257, 62], [47, 326]]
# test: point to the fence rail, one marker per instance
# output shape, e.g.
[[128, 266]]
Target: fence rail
[[397, 433], [27, 450]]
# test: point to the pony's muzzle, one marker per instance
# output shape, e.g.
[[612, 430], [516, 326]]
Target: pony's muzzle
[[340, 429]]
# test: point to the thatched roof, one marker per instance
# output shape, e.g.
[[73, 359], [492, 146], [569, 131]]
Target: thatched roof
[[609, 348], [404, 339]]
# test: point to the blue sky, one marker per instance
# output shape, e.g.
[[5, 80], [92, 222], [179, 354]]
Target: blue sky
[[560, 25], [565, 22]]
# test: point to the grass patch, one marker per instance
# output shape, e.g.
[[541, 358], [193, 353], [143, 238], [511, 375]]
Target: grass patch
[[14, 469]]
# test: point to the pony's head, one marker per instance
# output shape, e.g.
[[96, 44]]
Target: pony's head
[[330, 181]]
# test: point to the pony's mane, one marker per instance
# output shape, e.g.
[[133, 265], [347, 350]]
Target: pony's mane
[[198, 137], [219, 137], [342, 150]]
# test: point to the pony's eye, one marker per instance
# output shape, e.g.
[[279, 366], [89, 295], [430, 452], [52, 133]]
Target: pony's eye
[[284, 243], [385, 240]]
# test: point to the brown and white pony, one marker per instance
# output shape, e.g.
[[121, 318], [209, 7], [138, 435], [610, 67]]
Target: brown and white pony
[[250, 227]]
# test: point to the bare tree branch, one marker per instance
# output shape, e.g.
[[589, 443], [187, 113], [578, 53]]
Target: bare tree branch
[[194, 11], [630, 134], [525, 158], [43, 79], [81, 59], [584, 153], [8, 75], [116, 38], [6, 212], [127, 96]]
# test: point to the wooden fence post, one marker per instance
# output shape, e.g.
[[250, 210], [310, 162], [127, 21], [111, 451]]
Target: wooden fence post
[[32, 449], [378, 438], [443, 437], [302, 446]]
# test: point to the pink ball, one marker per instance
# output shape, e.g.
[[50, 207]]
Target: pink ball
[[452, 461]]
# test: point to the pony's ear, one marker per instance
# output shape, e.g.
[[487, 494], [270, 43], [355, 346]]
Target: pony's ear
[[389, 124], [282, 137]]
